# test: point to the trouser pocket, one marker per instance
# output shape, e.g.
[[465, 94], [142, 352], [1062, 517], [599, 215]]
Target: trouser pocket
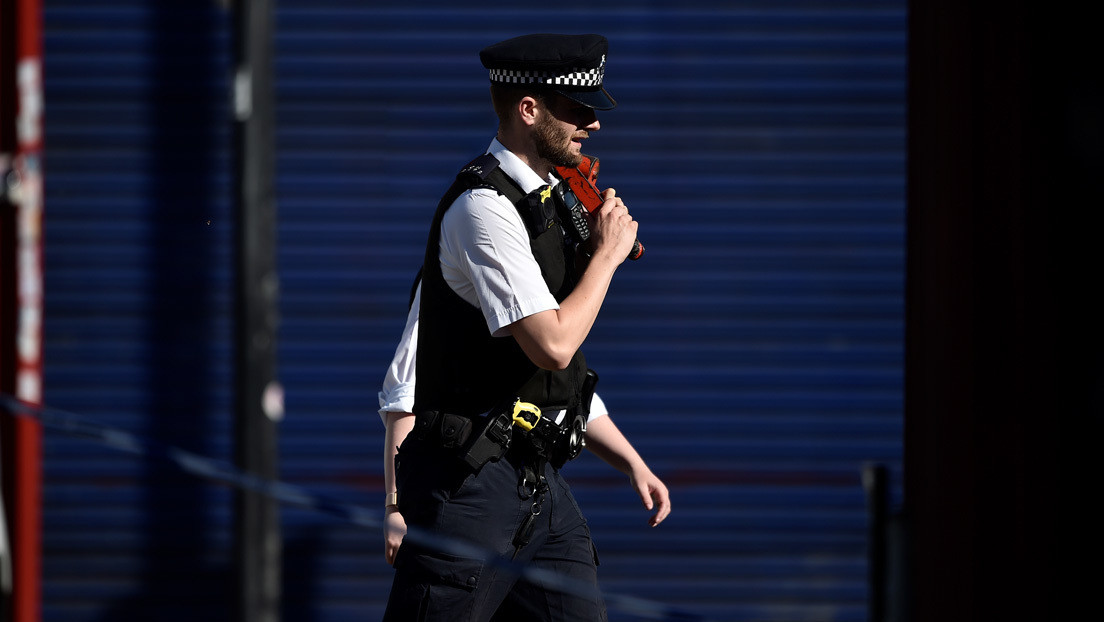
[[432, 586]]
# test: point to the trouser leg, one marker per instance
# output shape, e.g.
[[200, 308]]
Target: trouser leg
[[437, 494], [563, 547], [486, 510], [573, 597]]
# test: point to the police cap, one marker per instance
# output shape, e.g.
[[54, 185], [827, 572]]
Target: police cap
[[571, 65]]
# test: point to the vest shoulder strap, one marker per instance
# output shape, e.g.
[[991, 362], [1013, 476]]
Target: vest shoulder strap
[[484, 172]]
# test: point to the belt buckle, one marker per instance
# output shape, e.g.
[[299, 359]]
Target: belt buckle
[[526, 415]]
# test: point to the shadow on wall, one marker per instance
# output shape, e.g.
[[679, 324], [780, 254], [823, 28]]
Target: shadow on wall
[[178, 579]]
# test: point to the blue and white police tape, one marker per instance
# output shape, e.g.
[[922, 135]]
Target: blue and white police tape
[[75, 425]]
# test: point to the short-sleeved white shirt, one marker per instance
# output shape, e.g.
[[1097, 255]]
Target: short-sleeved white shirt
[[487, 260], [485, 253]]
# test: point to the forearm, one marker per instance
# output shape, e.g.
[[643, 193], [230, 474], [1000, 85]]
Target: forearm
[[399, 424], [607, 442], [552, 337]]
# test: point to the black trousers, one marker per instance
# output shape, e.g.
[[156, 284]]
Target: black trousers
[[440, 494]]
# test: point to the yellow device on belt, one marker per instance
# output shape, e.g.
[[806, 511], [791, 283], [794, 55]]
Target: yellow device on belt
[[526, 415]]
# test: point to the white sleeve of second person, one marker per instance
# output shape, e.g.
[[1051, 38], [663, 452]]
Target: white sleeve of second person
[[397, 394]]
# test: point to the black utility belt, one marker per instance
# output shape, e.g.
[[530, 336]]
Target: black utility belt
[[482, 439]]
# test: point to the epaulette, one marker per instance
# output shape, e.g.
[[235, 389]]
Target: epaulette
[[485, 172], [475, 174], [480, 167]]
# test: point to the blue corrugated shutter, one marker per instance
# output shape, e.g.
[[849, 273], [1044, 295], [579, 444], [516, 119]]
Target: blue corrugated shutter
[[138, 270], [753, 355]]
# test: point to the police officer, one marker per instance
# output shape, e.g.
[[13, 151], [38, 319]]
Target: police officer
[[508, 294]]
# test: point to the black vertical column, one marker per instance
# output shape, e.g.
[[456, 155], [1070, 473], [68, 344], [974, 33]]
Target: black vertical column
[[259, 397], [1005, 339], [875, 478]]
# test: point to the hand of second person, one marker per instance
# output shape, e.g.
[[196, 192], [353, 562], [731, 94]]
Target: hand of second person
[[653, 493], [394, 528]]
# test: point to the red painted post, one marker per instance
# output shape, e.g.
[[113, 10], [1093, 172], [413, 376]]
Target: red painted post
[[21, 163]]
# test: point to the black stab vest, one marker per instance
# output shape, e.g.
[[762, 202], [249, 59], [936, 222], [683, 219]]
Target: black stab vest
[[461, 368]]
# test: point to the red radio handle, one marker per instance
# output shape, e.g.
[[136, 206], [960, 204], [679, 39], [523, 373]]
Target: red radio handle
[[582, 181]]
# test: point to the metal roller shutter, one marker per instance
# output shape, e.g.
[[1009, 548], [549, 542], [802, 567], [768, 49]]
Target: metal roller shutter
[[138, 271], [753, 356]]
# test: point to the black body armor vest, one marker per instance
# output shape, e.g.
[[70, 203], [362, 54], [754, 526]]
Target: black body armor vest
[[461, 368]]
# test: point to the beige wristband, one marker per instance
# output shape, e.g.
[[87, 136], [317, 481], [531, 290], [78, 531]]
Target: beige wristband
[[391, 500]]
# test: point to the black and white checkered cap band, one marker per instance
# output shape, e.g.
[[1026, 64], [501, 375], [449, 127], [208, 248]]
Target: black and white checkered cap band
[[578, 77]]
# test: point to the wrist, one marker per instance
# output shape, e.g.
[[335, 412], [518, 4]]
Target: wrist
[[638, 468], [606, 259], [391, 500]]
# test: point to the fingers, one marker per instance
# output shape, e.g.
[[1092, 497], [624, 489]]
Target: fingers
[[655, 496], [608, 195], [664, 502], [612, 226], [393, 532], [391, 544], [645, 493], [614, 202]]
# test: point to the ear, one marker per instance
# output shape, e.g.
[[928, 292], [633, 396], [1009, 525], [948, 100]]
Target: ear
[[528, 108]]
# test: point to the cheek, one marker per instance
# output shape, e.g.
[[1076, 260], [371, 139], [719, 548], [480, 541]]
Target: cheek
[[585, 118]]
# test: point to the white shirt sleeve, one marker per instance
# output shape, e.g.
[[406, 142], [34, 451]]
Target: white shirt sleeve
[[487, 260], [397, 394], [597, 408]]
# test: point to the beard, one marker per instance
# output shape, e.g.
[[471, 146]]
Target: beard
[[553, 142]]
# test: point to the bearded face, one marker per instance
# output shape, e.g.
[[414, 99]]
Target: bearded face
[[552, 139]]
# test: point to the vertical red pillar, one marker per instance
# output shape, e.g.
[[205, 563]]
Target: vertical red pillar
[[22, 282]]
